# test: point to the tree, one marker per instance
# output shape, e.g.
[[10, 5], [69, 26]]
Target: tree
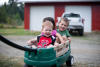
[[21, 11], [11, 2], [10, 12], [3, 14]]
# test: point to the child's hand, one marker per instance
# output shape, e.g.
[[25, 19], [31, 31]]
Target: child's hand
[[50, 46], [29, 42], [33, 46], [69, 39], [56, 44], [63, 42], [32, 41]]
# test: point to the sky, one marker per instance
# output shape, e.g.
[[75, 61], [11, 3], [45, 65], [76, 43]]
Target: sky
[[3, 1]]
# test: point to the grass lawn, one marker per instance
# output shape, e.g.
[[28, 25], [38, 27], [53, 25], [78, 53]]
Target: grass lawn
[[18, 31], [11, 62]]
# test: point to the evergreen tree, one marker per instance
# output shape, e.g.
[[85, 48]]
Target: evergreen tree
[[12, 12], [3, 14]]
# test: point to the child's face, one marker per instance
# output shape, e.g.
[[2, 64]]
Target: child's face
[[47, 31], [62, 25]]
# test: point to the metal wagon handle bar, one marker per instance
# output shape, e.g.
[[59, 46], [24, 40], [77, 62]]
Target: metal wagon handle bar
[[8, 42]]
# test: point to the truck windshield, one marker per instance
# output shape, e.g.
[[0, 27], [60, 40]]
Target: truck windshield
[[71, 15]]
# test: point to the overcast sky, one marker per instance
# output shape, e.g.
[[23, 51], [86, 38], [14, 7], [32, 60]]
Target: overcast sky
[[3, 1]]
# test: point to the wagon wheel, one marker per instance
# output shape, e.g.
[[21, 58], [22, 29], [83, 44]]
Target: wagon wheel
[[70, 61], [27, 65], [54, 65]]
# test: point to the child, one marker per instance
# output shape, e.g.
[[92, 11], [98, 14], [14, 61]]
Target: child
[[62, 29], [54, 33], [46, 39]]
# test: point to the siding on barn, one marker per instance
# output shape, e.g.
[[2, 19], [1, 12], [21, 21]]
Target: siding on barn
[[59, 10], [96, 17], [26, 17]]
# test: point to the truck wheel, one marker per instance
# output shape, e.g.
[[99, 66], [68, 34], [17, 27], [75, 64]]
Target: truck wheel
[[81, 31], [70, 61], [27, 65]]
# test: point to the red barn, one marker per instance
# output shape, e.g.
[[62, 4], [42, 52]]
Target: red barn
[[36, 10]]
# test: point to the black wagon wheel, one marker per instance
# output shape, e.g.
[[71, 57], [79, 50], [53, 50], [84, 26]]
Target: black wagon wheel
[[70, 61], [54, 65], [25, 65]]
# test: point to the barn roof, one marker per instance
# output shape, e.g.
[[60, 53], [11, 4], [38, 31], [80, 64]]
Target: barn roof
[[58, 1]]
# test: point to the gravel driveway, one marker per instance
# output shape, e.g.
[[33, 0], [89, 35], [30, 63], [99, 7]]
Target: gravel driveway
[[85, 49]]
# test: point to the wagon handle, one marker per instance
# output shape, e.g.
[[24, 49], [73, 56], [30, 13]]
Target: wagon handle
[[8, 42]]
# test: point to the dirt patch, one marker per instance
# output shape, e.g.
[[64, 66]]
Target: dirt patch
[[85, 49]]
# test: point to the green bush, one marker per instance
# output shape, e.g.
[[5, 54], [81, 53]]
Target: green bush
[[1, 26]]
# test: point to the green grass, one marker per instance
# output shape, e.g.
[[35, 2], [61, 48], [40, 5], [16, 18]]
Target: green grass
[[18, 31]]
